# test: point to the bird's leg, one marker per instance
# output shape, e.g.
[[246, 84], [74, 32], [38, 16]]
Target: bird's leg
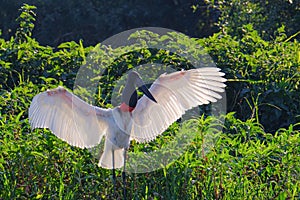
[[114, 171], [124, 175]]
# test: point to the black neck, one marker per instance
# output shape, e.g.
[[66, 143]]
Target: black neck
[[129, 95]]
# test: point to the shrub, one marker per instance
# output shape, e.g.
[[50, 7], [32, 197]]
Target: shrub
[[264, 76]]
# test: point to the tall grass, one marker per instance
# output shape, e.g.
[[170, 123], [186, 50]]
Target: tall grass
[[244, 163]]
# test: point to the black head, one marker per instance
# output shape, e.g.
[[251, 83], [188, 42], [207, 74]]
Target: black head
[[129, 94]]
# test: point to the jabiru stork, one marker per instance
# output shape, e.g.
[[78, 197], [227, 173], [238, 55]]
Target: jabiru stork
[[83, 125]]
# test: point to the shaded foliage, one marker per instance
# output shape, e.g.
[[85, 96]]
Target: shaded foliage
[[265, 16], [265, 75], [93, 21]]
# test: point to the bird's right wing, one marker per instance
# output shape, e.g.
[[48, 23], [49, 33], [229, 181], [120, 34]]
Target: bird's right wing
[[68, 117], [175, 93]]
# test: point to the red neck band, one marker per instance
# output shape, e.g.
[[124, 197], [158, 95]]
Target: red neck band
[[125, 108]]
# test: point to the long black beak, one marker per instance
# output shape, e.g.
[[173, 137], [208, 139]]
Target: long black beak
[[142, 87]]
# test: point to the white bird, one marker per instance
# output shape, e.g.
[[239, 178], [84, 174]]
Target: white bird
[[83, 125], [168, 98]]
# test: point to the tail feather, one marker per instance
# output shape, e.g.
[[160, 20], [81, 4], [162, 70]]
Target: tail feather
[[106, 160]]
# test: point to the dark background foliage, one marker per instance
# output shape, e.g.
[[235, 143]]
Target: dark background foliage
[[95, 20]]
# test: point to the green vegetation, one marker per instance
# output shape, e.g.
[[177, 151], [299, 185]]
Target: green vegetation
[[255, 156], [93, 21]]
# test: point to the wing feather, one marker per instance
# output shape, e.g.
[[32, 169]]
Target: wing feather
[[68, 117], [175, 93]]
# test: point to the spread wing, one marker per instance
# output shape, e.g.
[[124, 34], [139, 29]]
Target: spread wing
[[68, 117], [175, 93]]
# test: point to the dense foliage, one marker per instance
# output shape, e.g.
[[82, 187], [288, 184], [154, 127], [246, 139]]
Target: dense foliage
[[255, 156], [95, 20], [265, 76], [266, 16]]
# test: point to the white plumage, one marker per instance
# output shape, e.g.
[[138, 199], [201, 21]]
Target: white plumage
[[84, 125]]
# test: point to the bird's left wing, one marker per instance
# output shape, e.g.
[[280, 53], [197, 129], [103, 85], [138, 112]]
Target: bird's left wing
[[68, 117], [175, 93]]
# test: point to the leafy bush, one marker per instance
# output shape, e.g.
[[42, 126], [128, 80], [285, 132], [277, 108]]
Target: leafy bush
[[265, 16], [264, 76]]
